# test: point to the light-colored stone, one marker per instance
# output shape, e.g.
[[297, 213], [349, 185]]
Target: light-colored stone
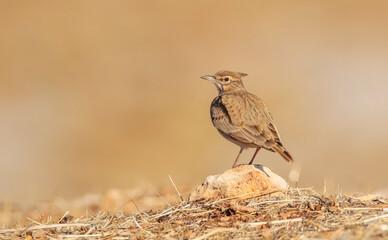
[[243, 181]]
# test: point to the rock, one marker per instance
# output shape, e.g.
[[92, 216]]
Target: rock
[[243, 181]]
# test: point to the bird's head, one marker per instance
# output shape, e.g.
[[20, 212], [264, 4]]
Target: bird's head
[[226, 81]]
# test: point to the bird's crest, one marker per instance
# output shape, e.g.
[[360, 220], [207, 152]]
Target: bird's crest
[[232, 74]]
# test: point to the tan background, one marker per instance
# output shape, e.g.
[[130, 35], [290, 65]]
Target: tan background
[[101, 94]]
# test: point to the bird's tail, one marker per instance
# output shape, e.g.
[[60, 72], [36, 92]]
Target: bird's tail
[[283, 152]]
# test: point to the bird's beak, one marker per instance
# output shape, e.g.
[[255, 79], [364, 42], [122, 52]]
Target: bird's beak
[[209, 78]]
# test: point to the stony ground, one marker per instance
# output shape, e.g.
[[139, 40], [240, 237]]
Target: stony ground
[[298, 213]]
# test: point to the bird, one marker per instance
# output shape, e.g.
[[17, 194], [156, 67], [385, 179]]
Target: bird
[[242, 117]]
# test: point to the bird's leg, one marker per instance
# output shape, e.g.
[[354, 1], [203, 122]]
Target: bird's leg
[[254, 155], [235, 161]]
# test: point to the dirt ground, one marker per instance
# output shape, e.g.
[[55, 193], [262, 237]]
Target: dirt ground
[[147, 213]]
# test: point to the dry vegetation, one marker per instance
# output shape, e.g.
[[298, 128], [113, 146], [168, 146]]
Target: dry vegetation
[[297, 213]]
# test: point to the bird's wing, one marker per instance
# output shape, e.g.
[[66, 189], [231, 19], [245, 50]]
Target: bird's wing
[[247, 119], [235, 106], [222, 120], [251, 116], [258, 115], [227, 114]]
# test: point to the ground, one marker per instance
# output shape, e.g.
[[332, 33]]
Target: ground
[[296, 213]]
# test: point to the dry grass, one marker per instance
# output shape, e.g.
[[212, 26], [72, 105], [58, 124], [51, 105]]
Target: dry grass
[[298, 213]]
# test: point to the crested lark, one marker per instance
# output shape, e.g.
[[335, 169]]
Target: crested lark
[[242, 117]]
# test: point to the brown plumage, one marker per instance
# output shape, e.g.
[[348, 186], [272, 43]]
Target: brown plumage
[[242, 117]]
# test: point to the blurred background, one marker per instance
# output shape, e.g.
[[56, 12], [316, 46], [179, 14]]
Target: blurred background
[[100, 94]]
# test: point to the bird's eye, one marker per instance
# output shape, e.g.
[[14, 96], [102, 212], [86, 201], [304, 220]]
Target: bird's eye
[[226, 79]]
